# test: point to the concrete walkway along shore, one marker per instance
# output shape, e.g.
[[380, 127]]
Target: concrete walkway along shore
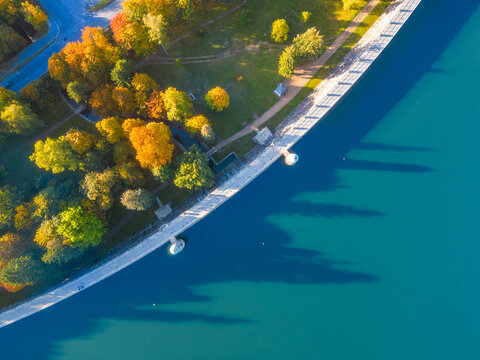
[[307, 115]]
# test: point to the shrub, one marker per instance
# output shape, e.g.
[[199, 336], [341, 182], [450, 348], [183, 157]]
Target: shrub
[[286, 63], [207, 133], [306, 16], [309, 44], [139, 199], [280, 30], [163, 173]]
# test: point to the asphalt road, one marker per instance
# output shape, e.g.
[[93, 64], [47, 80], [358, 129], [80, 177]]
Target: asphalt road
[[67, 18]]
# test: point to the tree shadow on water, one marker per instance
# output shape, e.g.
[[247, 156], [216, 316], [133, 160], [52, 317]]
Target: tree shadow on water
[[235, 243]]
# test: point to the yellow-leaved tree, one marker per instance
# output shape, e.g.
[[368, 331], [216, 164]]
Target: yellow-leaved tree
[[152, 144], [217, 99]]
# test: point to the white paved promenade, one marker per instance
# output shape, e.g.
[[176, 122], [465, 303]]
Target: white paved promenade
[[328, 93]]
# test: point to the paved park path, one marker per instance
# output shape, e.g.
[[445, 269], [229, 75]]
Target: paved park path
[[300, 78]]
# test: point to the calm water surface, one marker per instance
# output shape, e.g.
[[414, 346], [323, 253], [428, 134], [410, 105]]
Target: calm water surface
[[372, 257]]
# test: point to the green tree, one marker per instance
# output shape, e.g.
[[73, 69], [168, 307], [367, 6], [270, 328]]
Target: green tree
[[280, 31], [193, 172], [6, 98], [123, 153], [34, 15], [186, 8], [207, 133], [137, 38], [111, 128], [10, 42], [157, 28], [61, 255], [178, 104], [122, 73], [98, 186], [80, 229], [163, 173], [9, 200], [78, 91], [11, 246], [139, 199], [130, 175], [18, 118], [80, 140], [56, 155], [20, 271], [143, 85], [46, 234], [309, 44], [286, 63], [40, 93]]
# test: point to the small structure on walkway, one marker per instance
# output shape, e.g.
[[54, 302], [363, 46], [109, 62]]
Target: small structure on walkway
[[176, 246], [263, 137], [290, 158], [280, 90], [163, 211]]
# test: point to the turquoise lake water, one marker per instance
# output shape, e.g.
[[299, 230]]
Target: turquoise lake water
[[373, 257]]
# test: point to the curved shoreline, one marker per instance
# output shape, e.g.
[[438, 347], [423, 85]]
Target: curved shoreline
[[293, 128]]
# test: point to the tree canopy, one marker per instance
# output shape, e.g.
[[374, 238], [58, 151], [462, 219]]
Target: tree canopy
[[217, 99], [20, 271], [178, 104], [139, 199], [286, 63], [79, 228], [56, 155], [152, 144], [193, 172], [194, 124], [280, 31], [309, 44]]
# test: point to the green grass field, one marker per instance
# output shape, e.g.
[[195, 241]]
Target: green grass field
[[18, 148], [243, 145], [249, 74]]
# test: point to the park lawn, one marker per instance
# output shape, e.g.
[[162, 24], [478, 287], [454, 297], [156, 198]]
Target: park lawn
[[249, 73], [77, 122], [17, 149], [245, 144], [249, 96], [252, 24]]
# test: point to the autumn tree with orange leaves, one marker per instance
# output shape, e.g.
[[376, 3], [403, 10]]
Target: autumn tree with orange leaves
[[155, 106], [152, 144], [91, 59]]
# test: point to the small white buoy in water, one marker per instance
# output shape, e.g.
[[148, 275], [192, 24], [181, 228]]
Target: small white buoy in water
[[344, 158]]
